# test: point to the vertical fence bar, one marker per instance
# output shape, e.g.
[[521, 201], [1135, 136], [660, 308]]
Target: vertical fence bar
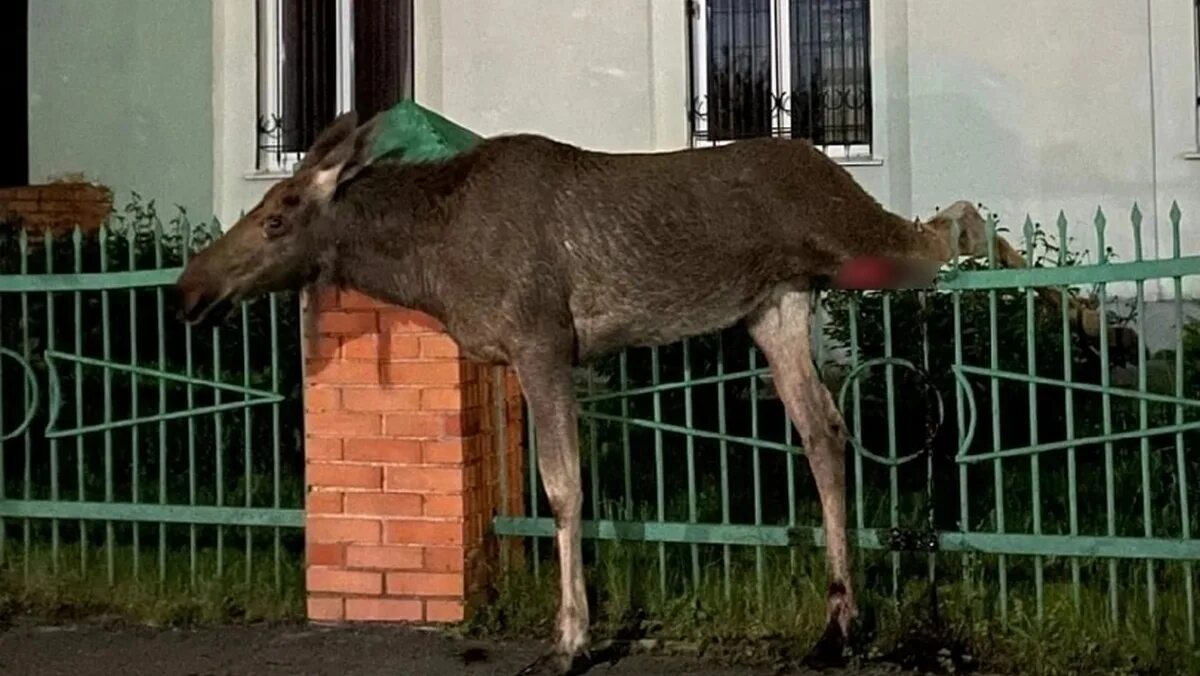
[[218, 446], [106, 348], [1035, 482], [1135, 218], [998, 463], [626, 460], [51, 331], [533, 491], [723, 445], [759, 551], [3, 476], [276, 477], [247, 442], [1185, 516], [660, 496], [1069, 414], [859, 507], [135, 430], [893, 470], [80, 460], [691, 455], [27, 473], [964, 504], [160, 311], [189, 370], [1105, 382]]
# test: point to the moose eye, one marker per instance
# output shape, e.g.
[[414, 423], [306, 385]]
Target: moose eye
[[274, 226]]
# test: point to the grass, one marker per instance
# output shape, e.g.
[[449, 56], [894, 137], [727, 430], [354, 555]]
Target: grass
[[738, 618], [30, 587]]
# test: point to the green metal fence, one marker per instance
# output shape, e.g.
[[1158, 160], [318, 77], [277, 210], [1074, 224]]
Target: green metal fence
[[1061, 467], [134, 449]]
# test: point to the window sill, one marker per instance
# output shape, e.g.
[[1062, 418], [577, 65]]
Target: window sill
[[1193, 155], [267, 175], [866, 161]]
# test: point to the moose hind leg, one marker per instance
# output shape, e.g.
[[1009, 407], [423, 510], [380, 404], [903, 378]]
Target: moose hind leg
[[547, 386], [781, 328]]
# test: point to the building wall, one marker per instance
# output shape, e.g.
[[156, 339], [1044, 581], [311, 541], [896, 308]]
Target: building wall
[[1070, 104], [121, 91]]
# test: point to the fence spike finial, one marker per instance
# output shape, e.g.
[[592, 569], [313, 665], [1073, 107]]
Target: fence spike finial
[[1062, 237], [1135, 218], [1027, 234], [1176, 218]]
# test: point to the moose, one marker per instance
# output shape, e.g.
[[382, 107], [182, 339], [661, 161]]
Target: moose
[[541, 255]]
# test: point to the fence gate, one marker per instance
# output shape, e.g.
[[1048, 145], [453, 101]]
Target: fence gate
[[1008, 454], [131, 446]]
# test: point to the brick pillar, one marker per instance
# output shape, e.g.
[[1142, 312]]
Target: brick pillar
[[401, 465]]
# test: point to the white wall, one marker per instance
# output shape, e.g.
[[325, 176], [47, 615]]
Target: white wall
[[1033, 106]]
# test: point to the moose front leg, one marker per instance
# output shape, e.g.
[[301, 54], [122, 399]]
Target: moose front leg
[[546, 381], [781, 328]]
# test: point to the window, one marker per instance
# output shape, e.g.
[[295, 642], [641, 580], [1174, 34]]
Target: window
[[794, 68], [319, 58]]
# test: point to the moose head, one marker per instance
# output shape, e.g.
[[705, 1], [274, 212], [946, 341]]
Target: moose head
[[278, 245]]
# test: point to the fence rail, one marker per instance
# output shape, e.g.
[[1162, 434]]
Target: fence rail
[[134, 447]]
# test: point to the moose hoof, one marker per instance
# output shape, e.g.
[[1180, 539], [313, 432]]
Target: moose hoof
[[556, 663], [830, 650]]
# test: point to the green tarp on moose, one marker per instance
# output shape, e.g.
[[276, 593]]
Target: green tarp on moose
[[412, 133]]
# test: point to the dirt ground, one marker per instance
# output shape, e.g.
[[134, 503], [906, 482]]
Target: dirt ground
[[107, 650]]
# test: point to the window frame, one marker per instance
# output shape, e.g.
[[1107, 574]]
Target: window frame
[[781, 77], [270, 82]]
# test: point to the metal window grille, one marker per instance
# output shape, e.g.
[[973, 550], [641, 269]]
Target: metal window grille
[[322, 57], [798, 68]]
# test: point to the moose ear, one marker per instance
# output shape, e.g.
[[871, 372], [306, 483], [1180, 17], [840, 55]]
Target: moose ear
[[338, 131], [349, 155]]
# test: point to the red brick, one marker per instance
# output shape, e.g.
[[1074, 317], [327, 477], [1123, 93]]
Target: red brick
[[323, 448], [464, 424], [338, 475], [442, 399], [328, 299], [383, 504], [343, 372], [424, 479], [401, 320], [22, 193], [343, 423], [355, 300], [326, 347], [442, 451], [424, 584], [381, 399], [441, 346], [383, 610], [437, 610], [325, 530], [323, 502], [23, 206], [423, 372], [381, 347], [443, 505], [325, 554], [318, 399], [402, 451], [388, 558], [347, 322], [444, 559], [343, 581], [325, 609], [438, 533], [420, 425]]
